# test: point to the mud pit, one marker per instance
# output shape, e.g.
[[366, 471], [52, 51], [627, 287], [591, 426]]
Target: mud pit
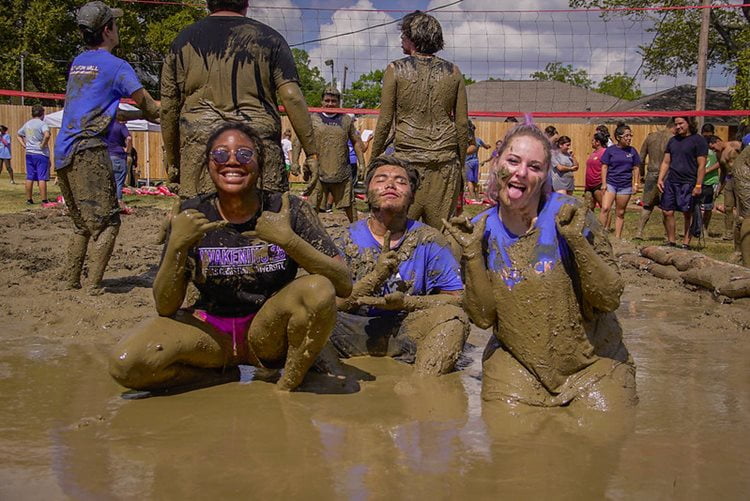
[[67, 434]]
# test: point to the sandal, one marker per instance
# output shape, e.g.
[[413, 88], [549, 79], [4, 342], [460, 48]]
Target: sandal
[[683, 246]]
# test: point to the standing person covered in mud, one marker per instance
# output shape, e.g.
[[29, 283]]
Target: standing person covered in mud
[[681, 177], [540, 270], [652, 154], [242, 247], [619, 164], [472, 162], [424, 102], [97, 82], [727, 152], [333, 131], [407, 284], [229, 67], [741, 180]]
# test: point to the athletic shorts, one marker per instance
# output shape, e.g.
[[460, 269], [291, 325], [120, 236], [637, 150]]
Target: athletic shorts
[[472, 171], [707, 197], [381, 336], [37, 167], [625, 190], [677, 196]]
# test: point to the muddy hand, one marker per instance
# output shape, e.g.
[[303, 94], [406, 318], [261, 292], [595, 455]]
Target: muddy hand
[[570, 222], [394, 301], [295, 170], [387, 260], [468, 235], [189, 226], [274, 227], [311, 164]]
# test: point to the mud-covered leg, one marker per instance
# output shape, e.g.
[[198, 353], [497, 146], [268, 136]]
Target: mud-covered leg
[[505, 379], [645, 216], [611, 387], [295, 324], [74, 260], [744, 240], [440, 334], [101, 252], [170, 352]]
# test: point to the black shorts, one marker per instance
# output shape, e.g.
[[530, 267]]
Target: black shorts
[[707, 197]]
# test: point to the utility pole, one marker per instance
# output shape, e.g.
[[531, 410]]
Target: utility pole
[[329, 62], [22, 82], [343, 86], [700, 91]]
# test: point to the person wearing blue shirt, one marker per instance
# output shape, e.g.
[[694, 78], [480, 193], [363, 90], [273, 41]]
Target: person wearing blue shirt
[[539, 270], [5, 152], [407, 284], [96, 83], [472, 162], [619, 162], [34, 136]]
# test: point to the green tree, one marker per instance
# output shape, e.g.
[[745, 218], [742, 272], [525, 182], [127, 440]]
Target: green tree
[[365, 91], [564, 73], [311, 81], [674, 49], [620, 85], [468, 80]]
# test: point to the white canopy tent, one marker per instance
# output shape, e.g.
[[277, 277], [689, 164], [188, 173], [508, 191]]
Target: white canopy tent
[[55, 120]]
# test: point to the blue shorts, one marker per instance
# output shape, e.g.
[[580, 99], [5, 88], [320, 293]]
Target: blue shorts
[[627, 190], [677, 196], [37, 167], [472, 171]]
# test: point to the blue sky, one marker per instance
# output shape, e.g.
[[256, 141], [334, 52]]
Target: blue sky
[[484, 44]]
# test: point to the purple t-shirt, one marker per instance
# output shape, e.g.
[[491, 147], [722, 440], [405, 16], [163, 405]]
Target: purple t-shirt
[[116, 139], [684, 152], [620, 163]]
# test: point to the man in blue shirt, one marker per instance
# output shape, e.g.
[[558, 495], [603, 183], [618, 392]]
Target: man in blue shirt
[[34, 137], [407, 284], [96, 83]]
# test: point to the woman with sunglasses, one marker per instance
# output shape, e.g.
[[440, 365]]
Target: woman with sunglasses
[[619, 163], [241, 247]]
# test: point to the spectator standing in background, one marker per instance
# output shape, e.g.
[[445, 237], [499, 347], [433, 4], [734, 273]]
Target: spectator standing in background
[[551, 132], [594, 169], [619, 164], [681, 176], [286, 148], [727, 153], [119, 144], [472, 162], [34, 136], [5, 152], [605, 130], [564, 166], [710, 180], [652, 154]]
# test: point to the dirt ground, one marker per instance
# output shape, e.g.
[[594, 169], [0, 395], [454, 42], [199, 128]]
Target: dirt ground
[[66, 433]]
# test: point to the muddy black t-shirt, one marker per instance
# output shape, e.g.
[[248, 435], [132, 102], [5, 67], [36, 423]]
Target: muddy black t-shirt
[[235, 274]]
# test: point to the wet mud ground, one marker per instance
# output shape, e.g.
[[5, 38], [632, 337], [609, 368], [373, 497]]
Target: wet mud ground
[[382, 433]]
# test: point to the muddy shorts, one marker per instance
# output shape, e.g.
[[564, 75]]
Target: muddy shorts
[[383, 336], [651, 194], [342, 194], [729, 197], [741, 181], [88, 186], [440, 185], [606, 381]]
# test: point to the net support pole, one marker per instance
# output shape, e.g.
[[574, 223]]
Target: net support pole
[[700, 91]]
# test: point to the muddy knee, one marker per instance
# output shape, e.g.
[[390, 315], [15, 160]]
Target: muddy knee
[[138, 361], [315, 292], [441, 339]]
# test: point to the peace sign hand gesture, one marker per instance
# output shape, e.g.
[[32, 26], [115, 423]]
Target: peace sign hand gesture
[[468, 235]]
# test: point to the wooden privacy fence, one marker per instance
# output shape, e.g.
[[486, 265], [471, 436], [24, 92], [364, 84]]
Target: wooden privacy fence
[[151, 151]]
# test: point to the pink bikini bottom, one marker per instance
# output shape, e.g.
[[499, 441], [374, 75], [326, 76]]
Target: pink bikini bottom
[[236, 327]]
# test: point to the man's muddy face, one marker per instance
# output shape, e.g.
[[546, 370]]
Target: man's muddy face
[[407, 45], [239, 173], [389, 189], [525, 172], [331, 101]]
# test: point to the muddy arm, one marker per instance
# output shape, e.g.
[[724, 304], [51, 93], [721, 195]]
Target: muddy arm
[[478, 299], [294, 157], [601, 283], [296, 108], [462, 119], [386, 264], [398, 301], [387, 110], [171, 102]]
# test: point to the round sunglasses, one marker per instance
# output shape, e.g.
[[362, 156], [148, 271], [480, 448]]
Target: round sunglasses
[[243, 155]]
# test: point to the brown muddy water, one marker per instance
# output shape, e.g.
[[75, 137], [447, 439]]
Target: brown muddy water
[[66, 433]]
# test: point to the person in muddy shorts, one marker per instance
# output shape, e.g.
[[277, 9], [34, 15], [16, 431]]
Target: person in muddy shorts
[[242, 248], [96, 83], [540, 271], [228, 66], [424, 103], [741, 180], [407, 285]]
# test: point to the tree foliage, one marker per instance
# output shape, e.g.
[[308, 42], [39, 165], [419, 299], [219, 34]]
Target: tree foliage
[[619, 85], [45, 33], [674, 49], [564, 73], [311, 81], [365, 91]]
